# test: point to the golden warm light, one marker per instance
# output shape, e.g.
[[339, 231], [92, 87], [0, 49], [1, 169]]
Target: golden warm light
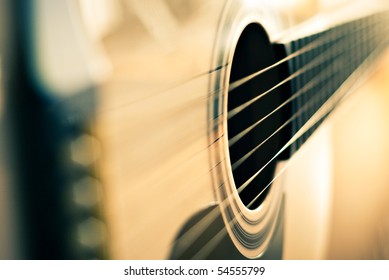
[[223, 129]]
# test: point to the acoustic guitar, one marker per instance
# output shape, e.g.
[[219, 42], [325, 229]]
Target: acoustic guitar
[[165, 129]]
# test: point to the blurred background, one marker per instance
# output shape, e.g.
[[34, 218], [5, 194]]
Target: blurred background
[[81, 84], [360, 201]]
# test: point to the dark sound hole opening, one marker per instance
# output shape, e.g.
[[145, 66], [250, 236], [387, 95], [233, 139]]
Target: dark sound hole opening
[[257, 147]]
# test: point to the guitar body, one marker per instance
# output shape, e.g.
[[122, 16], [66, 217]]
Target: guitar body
[[167, 180], [137, 105]]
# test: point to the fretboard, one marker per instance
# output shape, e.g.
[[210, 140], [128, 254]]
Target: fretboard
[[323, 68]]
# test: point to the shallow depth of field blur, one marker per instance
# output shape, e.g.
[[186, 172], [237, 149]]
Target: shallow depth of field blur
[[359, 226]]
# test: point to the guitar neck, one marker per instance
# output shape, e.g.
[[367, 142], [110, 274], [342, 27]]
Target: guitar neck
[[318, 67]]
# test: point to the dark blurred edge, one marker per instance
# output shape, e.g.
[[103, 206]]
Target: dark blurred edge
[[38, 135]]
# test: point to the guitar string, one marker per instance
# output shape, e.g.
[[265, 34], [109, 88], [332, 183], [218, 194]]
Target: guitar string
[[203, 99], [328, 72], [343, 92], [205, 222], [312, 45], [320, 41], [315, 43], [241, 134], [311, 84], [306, 67], [303, 109], [200, 151], [211, 218], [206, 250], [214, 216], [190, 236], [223, 204], [202, 222], [308, 86], [194, 133], [257, 173], [319, 60]]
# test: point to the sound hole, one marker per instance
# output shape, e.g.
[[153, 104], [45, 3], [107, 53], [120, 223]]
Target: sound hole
[[252, 124]]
